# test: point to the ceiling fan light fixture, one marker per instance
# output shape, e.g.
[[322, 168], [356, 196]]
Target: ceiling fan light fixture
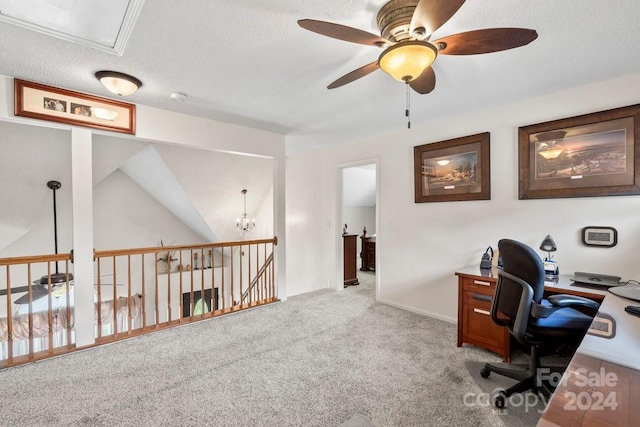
[[407, 60], [118, 83]]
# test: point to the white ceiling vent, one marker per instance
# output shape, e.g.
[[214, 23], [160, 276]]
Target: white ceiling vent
[[102, 25]]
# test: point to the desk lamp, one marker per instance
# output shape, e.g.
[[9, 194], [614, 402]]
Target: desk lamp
[[550, 266]]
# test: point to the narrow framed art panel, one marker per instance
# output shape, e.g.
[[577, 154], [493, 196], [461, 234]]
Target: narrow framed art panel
[[38, 101], [594, 154], [453, 170]]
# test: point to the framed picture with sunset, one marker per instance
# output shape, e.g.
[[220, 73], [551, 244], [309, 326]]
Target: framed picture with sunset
[[453, 170], [594, 154]]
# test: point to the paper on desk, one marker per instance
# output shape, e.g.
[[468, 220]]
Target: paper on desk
[[624, 347]]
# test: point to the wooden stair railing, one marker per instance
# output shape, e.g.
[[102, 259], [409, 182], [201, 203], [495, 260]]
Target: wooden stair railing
[[260, 275], [36, 333], [132, 295]]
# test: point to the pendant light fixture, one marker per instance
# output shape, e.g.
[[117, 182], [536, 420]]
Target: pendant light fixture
[[243, 223]]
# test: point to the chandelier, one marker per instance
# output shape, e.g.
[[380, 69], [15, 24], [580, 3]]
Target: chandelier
[[244, 224]]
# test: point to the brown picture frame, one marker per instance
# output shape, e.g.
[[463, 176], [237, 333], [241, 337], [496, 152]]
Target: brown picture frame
[[38, 101], [453, 170], [591, 155]]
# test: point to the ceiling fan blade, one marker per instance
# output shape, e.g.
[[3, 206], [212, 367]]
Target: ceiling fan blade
[[354, 75], [14, 290], [342, 32], [485, 41], [425, 83], [432, 14], [37, 292]]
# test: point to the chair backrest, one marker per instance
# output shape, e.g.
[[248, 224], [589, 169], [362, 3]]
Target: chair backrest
[[523, 262]]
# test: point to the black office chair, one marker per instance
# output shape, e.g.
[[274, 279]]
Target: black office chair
[[535, 322]]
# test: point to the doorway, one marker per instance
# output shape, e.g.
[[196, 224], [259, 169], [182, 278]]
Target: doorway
[[359, 217]]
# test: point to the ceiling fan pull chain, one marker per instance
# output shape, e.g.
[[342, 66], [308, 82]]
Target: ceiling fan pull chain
[[406, 112]]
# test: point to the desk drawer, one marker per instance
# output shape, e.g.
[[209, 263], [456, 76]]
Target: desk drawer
[[477, 320], [478, 300], [480, 286]]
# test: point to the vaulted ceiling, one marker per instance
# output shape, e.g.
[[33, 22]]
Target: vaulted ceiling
[[200, 188], [248, 62]]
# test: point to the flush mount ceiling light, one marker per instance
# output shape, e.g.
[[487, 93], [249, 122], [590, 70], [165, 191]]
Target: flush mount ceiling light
[[119, 83]]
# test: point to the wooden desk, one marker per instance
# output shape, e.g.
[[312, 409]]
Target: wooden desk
[[601, 385], [475, 290]]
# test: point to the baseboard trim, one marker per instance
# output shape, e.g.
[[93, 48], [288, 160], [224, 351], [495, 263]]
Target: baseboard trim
[[417, 311]]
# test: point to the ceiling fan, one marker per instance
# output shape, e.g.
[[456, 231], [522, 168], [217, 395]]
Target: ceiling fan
[[57, 282], [406, 27]]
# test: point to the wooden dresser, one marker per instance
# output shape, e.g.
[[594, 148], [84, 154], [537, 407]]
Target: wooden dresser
[[368, 253], [350, 269]]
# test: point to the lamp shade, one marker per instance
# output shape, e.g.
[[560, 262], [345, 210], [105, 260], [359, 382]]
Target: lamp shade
[[551, 153], [548, 245], [407, 60], [549, 147], [118, 83]]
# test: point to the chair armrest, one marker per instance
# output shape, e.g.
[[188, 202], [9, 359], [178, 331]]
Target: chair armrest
[[564, 300], [560, 301]]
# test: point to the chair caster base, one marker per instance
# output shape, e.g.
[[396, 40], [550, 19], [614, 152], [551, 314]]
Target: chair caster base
[[500, 400]]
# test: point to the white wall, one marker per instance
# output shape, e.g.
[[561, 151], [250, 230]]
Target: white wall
[[358, 217], [264, 217], [420, 246], [126, 216]]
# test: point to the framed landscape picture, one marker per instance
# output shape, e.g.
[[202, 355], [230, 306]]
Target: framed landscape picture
[[43, 102], [453, 170], [591, 155]]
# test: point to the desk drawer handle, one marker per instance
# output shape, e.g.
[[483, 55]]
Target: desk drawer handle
[[479, 311], [478, 282], [481, 297]]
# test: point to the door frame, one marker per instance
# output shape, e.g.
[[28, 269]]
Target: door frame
[[339, 219]]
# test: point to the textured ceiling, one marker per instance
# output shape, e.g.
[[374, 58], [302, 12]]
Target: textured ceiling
[[248, 62]]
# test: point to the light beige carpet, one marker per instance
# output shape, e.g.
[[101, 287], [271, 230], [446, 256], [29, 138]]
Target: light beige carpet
[[320, 359]]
